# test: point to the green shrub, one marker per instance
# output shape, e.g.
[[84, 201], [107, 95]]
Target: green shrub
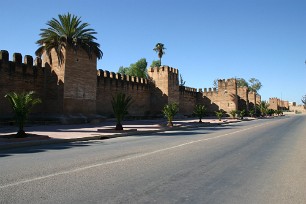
[[233, 113], [199, 111], [120, 104], [241, 114], [169, 111], [252, 112], [270, 112], [219, 114], [22, 103]]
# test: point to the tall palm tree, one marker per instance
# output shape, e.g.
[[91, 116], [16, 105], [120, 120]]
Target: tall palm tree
[[67, 32], [159, 48], [22, 104]]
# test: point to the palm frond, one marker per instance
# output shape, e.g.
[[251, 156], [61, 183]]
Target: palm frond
[[68, 30]]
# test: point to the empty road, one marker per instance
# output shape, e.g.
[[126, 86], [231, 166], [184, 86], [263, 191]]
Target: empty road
[[261, 161]]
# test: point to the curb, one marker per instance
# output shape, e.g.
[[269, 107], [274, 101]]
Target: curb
[[98, 137], [101, 137]]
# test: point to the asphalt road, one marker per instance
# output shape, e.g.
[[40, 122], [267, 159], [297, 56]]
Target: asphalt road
[[262, 161]]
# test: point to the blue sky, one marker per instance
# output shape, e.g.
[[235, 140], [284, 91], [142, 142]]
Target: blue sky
[[205, 39]]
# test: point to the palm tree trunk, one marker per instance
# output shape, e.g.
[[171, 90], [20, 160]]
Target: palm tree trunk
[[21, 132], [119, 126]]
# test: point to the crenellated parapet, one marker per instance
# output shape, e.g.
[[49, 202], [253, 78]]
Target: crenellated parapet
[[276, 104], [210, 92], [185, 90], [164, 74], [163, 69], [16, 67], [115, 80], [243, 89], [228, 83]]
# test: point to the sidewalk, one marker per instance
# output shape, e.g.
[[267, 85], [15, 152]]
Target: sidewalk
[[51, 134]]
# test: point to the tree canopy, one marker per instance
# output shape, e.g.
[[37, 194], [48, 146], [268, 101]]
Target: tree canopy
[[241, 82], [67, 31], [255, 85], [155, 63], [138, 69]]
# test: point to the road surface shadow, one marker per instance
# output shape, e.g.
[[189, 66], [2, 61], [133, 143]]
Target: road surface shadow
[[44, 148]]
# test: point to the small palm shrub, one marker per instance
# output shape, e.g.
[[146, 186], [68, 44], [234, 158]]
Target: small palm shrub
[[279, 112], [252, 112], [241, 114], [199, 111], [233, 113], [22, 103], [270, 112], [219, 114], [263, 108], [120, 104], [169, 111]]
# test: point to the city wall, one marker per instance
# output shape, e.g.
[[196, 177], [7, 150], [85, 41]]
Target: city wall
[[78, 88], [278, 104], [224, 97], [28, 75], [109, 84]]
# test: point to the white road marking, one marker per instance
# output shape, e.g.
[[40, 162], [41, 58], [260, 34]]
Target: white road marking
[[125, 159]]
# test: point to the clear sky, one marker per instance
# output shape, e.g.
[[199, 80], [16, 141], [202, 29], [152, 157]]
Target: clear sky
[[205, 39]]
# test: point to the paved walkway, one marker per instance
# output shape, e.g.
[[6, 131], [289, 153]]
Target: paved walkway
[[45, 134]]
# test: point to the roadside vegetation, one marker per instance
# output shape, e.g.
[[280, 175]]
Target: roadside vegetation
[[199, 111], [233, 113], [169, 111], [219, 114], [120, 105], [22, 104]]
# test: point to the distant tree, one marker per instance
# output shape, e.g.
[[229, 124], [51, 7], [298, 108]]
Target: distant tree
[[123, 70], [22, 103], [255, 85], [68, 32], [215, 83], [138, 69], [159, 48], [304, 101], [155, 63], [182, 82], [120, 105], [241, 82]]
